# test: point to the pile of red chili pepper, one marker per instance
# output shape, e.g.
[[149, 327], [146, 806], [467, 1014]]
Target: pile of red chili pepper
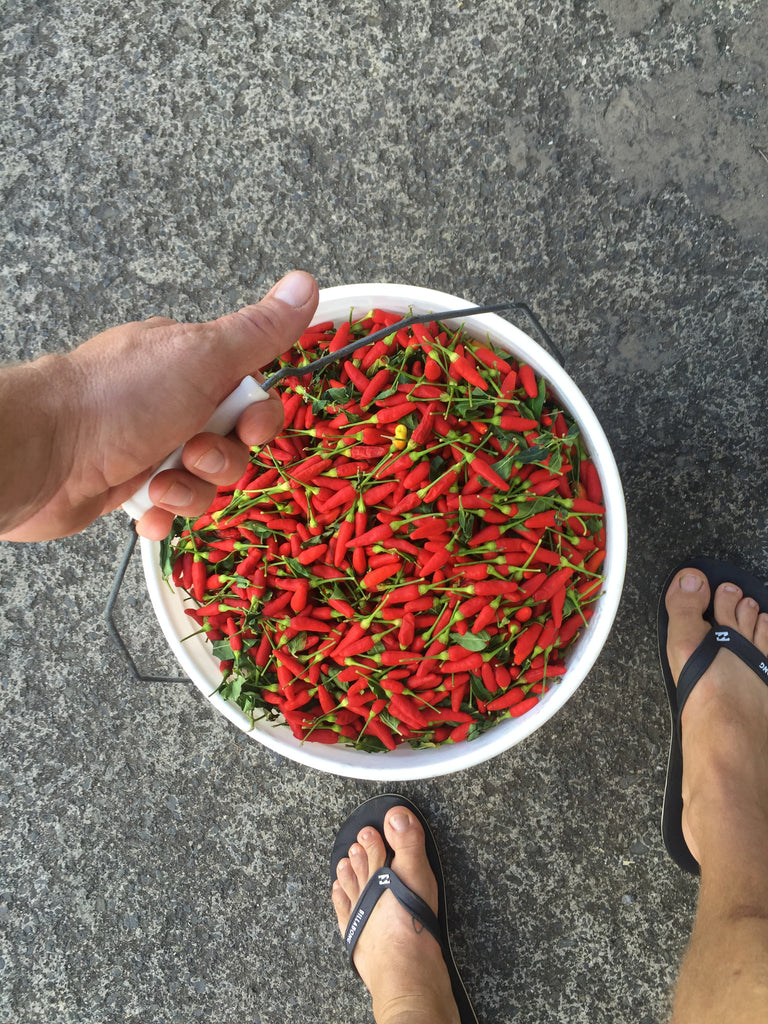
[[411, 558]]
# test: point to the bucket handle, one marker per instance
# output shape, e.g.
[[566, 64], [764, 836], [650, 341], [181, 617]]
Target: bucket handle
[[543, 334], [109, 614], [109, 611]]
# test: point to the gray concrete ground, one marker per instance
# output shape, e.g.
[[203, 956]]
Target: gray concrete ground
[[608, 163]]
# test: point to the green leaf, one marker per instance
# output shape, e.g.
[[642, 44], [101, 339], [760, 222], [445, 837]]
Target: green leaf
[[466, 525], [479, 692], [222, 649], [505, 467], [436, 467], [472, 641], [536, 453], [389, 720], [166, 557], [298, 569], [573, 434], [336, 395], [297, 643]]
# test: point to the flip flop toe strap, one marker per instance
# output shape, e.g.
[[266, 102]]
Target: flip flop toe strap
[[717, 638], [385, 878]]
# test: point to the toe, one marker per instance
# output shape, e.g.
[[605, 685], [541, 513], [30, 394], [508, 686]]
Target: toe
[[761, 633], [746, 617], [372, 842], [686, 601], [346, 876], [404, 833], [359, 860], [341, 904], [727, 598]]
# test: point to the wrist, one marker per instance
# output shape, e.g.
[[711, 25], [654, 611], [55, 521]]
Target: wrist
[[38, 422]]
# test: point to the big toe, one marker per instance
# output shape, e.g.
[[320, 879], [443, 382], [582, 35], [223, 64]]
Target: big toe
[[405, 834], [686, 601]]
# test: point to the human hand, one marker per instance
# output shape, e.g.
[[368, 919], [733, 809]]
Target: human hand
[[117, 405]]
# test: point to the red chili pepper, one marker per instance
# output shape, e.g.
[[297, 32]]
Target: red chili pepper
[[375, 386], [592, 482], [553, 583], [310, 555], [511, 421], [372, 579], [523, 706], [584, 507], [556, 604], [462, 369], [492, 359], [377, 728], [370, 537], [480, 467], [526, 642], [199, 579], [484, 618], [407, 630], [507, 700], [528, 381]]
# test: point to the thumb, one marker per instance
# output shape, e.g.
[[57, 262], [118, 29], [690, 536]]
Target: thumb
[[242, 342]]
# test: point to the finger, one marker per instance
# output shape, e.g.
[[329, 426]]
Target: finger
[[155, 524], [181, 492], [262, 421], [219, 460], [241, 342]]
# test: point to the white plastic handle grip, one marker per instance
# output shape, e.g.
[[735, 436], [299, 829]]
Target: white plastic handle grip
[[223, 420]]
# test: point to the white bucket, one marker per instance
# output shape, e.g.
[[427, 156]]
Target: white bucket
[[405, 763]]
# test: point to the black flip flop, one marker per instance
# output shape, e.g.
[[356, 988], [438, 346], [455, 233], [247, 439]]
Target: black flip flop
[[372, 812], [717, 572]]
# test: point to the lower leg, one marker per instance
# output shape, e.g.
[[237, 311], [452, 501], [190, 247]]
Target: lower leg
[[724, 976]]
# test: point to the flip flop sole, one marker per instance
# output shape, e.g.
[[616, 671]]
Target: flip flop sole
[[717, 572], [372, 812]]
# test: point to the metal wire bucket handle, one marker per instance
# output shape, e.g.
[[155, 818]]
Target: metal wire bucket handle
[[533, 320], [109, 611], [109, 614]]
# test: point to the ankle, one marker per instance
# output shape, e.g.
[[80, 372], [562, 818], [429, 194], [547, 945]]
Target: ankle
[[421, 1008]]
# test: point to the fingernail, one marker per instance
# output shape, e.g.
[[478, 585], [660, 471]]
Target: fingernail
[[690, 582], [211, 461], [295, 289], [400, 821], [177, 494]]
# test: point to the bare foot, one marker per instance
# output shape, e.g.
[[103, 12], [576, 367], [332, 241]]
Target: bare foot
[[724, 725], [401, 964]]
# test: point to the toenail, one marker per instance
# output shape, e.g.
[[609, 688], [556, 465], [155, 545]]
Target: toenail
[[730, 588], [400, 821], [690, 582], [367, 835]]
